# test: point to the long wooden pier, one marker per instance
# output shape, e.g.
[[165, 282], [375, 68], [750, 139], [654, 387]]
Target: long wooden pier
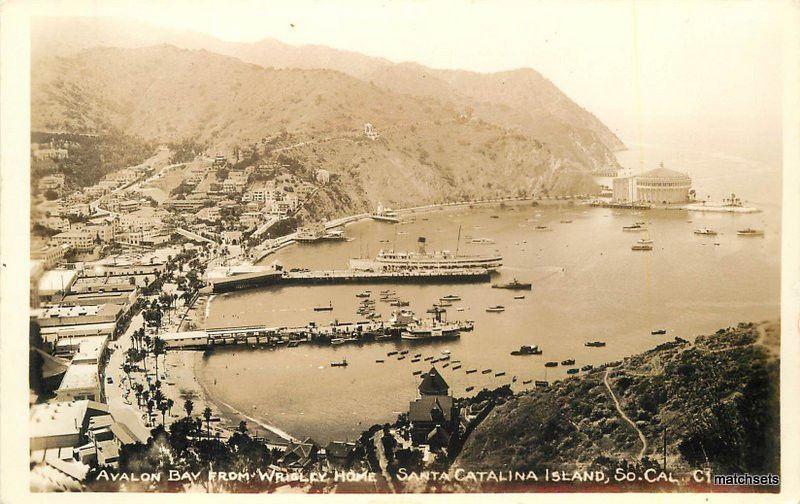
[[272, 277], [260, 335]]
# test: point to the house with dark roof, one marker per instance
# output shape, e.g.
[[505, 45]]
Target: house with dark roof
[[434, 411], [299, 454], [339, 454]]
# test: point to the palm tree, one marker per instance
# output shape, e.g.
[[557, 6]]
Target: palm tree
[[159, 348], [150, 405], [207, 416], [242, 427], [188, 405], [126, 368], [170, 404], [163, 407]]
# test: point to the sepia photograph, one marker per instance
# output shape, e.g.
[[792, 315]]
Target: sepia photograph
[[407, 247]]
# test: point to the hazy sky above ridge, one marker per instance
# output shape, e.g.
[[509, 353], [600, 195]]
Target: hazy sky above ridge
[[639, 66]]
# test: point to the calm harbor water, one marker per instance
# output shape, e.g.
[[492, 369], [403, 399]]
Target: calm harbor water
[[588, 285]]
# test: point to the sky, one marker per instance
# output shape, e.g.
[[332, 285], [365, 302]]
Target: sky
[[644, 68]]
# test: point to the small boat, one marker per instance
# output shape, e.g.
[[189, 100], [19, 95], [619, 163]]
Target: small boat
[[450, 297], [470, 371], [658, 331], [362, 295], [470, 389], [455, 361], [494, 216], [496, 309], [404, 352], [428, 358], [513, 285], [501, 373], [400, 303], [705, 231], [551, 364], [573, 370], [443, 304], [444, 358], [293, 344], [445, 364], [566, 221], [324, 308], [457, 366], [635, 227], [417, 373], [415, 360], [541, 383], [445, 352], [595, 343], [379, 361], [417, 355], [568, 362], [750, 232], [482, 241], [542, 228], [394, 352], [527, 350], [519, 297], [527, 382], [341, 363], [338, 341], [401, 357], [486, 371], [642, 245], [587, 367]]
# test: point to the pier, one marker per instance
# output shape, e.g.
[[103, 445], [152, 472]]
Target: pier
[[260, 335], [327, 277]]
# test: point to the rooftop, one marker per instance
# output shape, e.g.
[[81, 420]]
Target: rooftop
[[80, 376], [662, 172], [422, 409], [56, 280], [433, 383], [60, 418]]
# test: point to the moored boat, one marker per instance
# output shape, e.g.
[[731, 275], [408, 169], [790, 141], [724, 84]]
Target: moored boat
[[541, 383], [705, 231], [551, 364], [486, 371], [527, 350], [568, 362], [587, 367], [572, 371], [341, 363], [496, 309], [658, 331], [750, 232], [595, 343], [513, 285]]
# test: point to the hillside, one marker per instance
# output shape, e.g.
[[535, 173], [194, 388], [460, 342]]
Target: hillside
[[425, 153], [717, 398], [521, 100]]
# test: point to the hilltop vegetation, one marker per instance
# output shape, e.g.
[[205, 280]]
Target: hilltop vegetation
[[426, 152], [717, 398]]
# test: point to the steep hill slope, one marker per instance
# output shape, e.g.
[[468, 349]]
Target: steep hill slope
[[425, 153], [717, 398], [522, 100]]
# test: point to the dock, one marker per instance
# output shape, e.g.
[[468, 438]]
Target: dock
[[326, 277], [260, 335]]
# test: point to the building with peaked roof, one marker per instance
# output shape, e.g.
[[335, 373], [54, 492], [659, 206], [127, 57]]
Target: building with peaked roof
[[434, 409], [658, 186]]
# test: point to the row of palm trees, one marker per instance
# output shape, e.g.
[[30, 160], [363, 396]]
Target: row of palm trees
[[188, 406]]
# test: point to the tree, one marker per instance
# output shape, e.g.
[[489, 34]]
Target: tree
[[188, 406], [51, 195], [207, 416], [163, 407], [159, 348], [242, 427]]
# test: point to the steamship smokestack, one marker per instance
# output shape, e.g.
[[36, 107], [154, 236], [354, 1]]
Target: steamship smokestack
[[421, 244]]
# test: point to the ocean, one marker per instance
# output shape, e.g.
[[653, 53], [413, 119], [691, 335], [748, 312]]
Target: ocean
[[587, 285]]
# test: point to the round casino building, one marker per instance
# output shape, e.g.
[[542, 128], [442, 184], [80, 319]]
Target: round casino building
[[659, 186]]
